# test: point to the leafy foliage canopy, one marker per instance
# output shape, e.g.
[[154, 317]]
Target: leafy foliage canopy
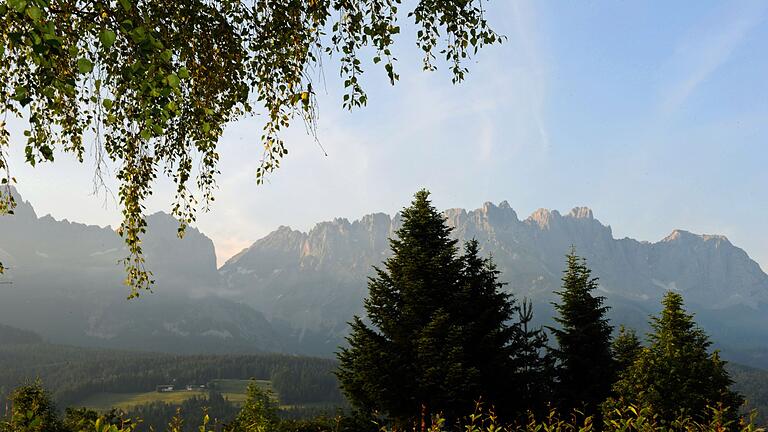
[[152, 84]]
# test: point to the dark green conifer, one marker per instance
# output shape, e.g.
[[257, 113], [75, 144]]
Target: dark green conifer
[[585, 369], [626, 349], [533, 363], [438, 338], [483, 315], [676, 374]]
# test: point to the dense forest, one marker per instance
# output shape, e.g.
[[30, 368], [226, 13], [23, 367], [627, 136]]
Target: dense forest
[[68, 372], [72, 374]]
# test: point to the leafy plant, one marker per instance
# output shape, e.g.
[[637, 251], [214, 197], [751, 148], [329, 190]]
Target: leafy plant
[[154, 83]]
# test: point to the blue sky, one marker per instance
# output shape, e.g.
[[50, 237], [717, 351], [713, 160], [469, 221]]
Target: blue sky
[[654, 114]]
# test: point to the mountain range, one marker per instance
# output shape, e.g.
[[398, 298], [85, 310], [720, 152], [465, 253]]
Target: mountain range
[[67, 286], [295, 291]]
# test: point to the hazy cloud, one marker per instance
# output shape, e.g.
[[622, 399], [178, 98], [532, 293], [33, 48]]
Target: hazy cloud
[[701, 52]]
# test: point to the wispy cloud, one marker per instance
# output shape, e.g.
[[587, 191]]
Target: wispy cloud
[[708, 47], [525, 25]]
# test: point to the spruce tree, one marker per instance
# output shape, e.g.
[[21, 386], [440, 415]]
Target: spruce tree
[[533, 363], [585, 369], [437, 339], [676, 374], [626, 349]]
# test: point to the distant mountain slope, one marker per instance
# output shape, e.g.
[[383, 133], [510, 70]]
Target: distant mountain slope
[[315, 281], [14, 336], [67, 286], [753, 384]]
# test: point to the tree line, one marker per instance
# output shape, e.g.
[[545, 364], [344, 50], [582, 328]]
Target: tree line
[[440, 334], [72, 374]]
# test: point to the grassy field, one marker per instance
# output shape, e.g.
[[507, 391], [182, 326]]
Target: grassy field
[[234, 390], [237, 386]]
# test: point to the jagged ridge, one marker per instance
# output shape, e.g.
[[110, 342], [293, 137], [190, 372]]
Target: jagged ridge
[[316, 280]]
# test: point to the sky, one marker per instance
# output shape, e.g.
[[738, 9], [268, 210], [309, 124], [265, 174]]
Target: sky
[[653, 114]]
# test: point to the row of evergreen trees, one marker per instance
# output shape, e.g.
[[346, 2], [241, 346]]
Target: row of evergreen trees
[[440, 334]]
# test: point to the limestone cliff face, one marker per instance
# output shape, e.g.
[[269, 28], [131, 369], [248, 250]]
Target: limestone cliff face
[[708, 269], [316, 281], [310, 281]]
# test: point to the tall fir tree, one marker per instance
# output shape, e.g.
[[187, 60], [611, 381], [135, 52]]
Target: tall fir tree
[[626, 349], [438, 338], [489, 337], [585, 368], [676, 374], [533, 363]]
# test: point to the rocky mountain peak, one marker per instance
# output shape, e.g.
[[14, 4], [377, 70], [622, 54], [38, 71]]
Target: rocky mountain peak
[[488, 207], [282, 233], [501, 212], [375, 219], [679, 235], [23, 208], [581, 213], [544, 218]]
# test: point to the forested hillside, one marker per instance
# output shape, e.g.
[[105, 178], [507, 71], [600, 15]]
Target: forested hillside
[[72, 374], [14, 336], [753, 384]]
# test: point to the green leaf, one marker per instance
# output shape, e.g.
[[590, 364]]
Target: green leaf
[[173, 80], [47, 152], [126, 4], [84, 65], [107, 38], [139, 34], [107, 103], [18, 5], [34, 12], [20, 92], [183, 72]]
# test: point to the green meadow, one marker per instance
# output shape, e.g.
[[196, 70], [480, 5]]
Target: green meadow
[[232, 389]]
